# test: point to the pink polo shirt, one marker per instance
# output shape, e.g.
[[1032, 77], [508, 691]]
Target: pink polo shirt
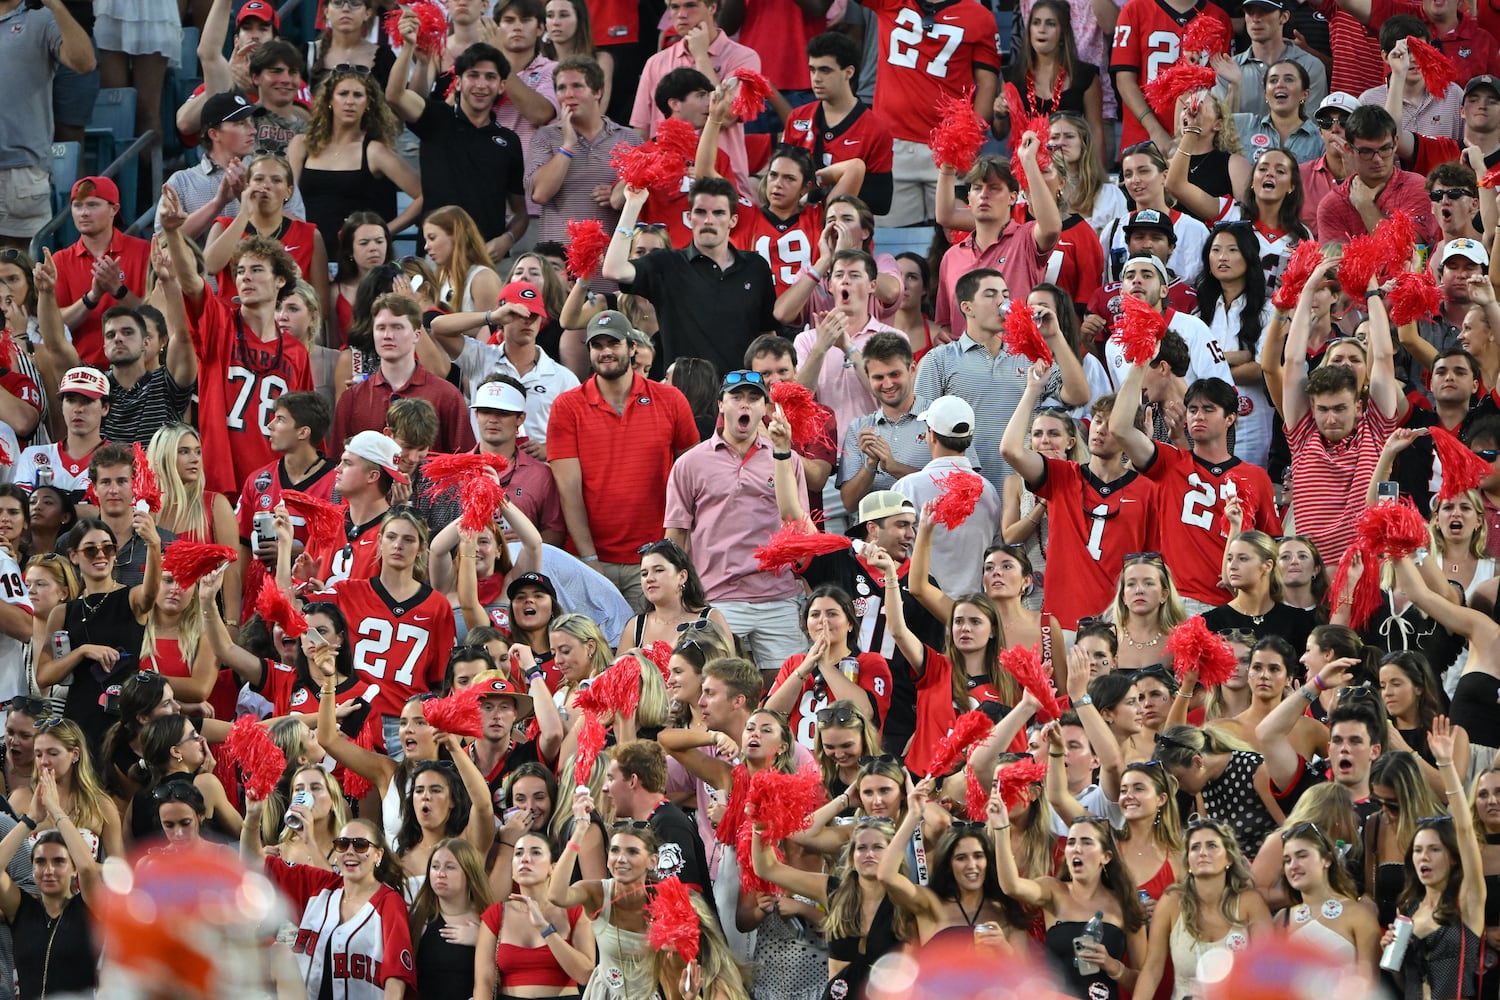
[[727, 504], [1014, 255], [1406, 192], [839, 386], [727, 56], [1317, 182]]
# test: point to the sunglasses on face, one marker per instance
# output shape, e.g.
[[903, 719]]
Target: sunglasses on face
[[1488, 454], [841, 716], [93, 551], [359, 845], [1326, 122], [1389, 805], [1438, 194]]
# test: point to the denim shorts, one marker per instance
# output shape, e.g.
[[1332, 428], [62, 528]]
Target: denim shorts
[[73, 94]]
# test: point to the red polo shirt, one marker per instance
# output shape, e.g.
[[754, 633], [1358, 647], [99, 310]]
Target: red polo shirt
[[363, 408], [625, 458], [1405, 191], [75, 274], [1472, 49]]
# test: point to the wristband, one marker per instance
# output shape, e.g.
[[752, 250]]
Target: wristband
[[1374, 293], [1317, 682], [30, 823], [1309, 692], [592, 558], [121, 292], [569, 155], [535, 674], [808, 272], [781, 456], [622, 231], [571, 847]]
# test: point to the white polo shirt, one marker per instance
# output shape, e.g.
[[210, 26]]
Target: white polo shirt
[[544, 382]]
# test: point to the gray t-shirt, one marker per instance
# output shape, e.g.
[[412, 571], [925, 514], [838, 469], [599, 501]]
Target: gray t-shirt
[[30, 42]]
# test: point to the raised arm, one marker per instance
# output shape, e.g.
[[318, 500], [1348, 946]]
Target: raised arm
[[794, 880], [1027, 892], [561, 889], [376, 768], [1062, 801], [1479, 629], [617, 265], [684, 744], [1048, 218], [906, 894], [918, 579], [1196, 201], [895, 614], [1385, 390], [1275, 730], [1139, 447], [1031, 465], [1440, 740], [1294, 379], [407, 103]]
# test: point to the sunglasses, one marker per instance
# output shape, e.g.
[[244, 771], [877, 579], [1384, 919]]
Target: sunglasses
[[174, 791], [1360, 692], [697, 625], [93, 551], [1163, 740], [1099, 623], [1428, 822], [650, 227], [965, 826], [1089, 818], [469, 652], [1438, 194], [1140, 147], [1389, 805], [1243, 636], [662, 545], [736, 378], [629, 825], [1300, 830], [1328, 121], [1132, 557], [883, 758], [359, 845], [28, 705], [1156, 671], [1488, 454], [839, 715], [879, 822], [47, 725]]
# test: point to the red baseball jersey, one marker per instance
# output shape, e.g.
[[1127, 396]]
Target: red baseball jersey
[[862, 135], [1148, 37], [1092, 527], [358, 560], [239, 380], [874, 675], [1194, 529], [929, 53], [402, 646], [788, 245], [262, 492]]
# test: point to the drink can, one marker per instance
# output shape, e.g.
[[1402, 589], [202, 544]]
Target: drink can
[[62, 644], [44, 476], [292, 820], [1395, 952]]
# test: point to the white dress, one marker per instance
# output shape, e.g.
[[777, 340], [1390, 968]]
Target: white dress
[[138, 27]]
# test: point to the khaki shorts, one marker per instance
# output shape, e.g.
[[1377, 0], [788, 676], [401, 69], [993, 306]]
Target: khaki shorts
[[25, 201], [914, 187]]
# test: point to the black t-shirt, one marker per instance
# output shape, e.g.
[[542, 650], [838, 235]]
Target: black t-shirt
[[1292, 624], [474, 167], [680, 851], [444, 968], [704, 311], [64, 953]]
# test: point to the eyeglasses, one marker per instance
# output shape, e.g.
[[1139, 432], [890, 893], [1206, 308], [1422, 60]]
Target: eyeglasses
[[1328, 121], [35, 707], [1378, 153], [93, 551], [359, 845], [838, 715], [1438, 194], [1301, 829], [754, 378]]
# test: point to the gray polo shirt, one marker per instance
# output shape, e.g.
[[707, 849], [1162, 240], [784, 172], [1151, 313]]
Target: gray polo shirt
[[197, 185], [30, 44], [907, 435], [1257, 133], [1253, 80]]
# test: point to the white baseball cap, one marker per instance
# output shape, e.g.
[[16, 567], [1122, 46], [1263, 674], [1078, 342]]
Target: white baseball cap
[[379, 450], [1467, 249], [499, 396], [949, 416]]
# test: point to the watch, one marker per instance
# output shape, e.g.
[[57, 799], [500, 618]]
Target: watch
[[121, 292], [548, 931], [1085, 700]]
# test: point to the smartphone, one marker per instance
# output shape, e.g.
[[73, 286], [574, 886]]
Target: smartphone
[[316, 637], [1387, 489]]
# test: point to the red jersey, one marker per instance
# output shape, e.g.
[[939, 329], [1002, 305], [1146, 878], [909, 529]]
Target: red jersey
[[75, 276], [874, 675], [788, 245], [19, 385], [239, 380], [616, 22], [1148, 36], [263, 488], [358, 560], [1195, 530], [936, 712], [929, 53], [1093, 527], [295, 237], [1076, 263], [401, 646], [778, 31], [670, 208], [862, 135]]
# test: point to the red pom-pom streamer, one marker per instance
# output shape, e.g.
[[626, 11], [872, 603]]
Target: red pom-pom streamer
[[143, 484], [255, 579], [479, 497], [676, 137], [89, 496], [959, 133], [660, 653], [968, 730], [1364, 257], [188, 562], [672, 923], [617, 689], [1021, 122], [1171, 84], [1022, 336], [1139, 330], [457, 713], [1025, 665], [645, 168], [959, 495], [356, 786], [446, 472], [1193, 646], [809, 420], [274, 609], [6, 458], [1491, 177], [976, 796], [1014, 779], [587, 242], [7, 348], [1438, 71], [751, 95], [1366, 597], [432, 26], [1462, 469], [1393, 528], [1305, 258], [1206, 35], [783, 804], [324, 520], [1399, 235], [1414, 296], [590, 745], [793, 543], [259, 760]]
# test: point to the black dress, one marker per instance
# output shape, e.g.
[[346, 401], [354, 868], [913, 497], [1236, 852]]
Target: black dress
[[332, 195], [444, 969], [53, 956], [100, 620], [1099, 986]]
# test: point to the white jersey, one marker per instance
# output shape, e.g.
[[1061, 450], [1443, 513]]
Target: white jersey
[[1205, 353], [13, 679], [360, 954], [48, 464]]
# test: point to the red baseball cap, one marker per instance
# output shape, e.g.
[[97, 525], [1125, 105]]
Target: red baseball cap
[[260, 10], [524, 293], [96, 187]]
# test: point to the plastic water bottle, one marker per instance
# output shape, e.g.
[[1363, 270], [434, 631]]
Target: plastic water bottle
[[1093, 933]]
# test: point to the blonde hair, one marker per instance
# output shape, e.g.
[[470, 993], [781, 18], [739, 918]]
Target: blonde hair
[[723, 975], [89, 799], [309, 296], [1479, 542], [277, 805], [1171, 613], [180, 502]]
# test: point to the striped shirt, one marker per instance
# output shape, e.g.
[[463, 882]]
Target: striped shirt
[[907, 436], [588, 168], [138, 412], [1329, 481]]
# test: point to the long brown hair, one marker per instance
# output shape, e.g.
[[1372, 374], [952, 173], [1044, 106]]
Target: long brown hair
[[379, 121], [426, 906], [1237, 879], [1113, 876], [1004, 683]]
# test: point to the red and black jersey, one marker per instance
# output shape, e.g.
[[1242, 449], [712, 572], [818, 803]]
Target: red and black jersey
[[862, 135], [401, 646], [929, 52], [1148, 39], [788, 245], [263, 488], [357, 560]]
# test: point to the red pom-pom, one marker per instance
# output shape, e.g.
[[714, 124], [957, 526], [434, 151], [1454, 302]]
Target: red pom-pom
[[1393, 528], [274, 609], [446, 472], [959, 495], [457, 713], [590, 745], [959, 133], [976, 796], [1015, 778], [1194, 647], [143, 484], [793, 543], [255, 578], [645, 168], [1305, 258], [1399, 234], [1172, 83], [1438, 71], [617, 689], [1139, 330], [1022, 335], [1021, 122], [89, 496], [1364, 257], [1206, 35], [261, 762], [809, 420], [751, 95], [676, 137], [672, 923], [968, 730], [188, 562], [1491, 177], [1025, 665], [480, 497], [356, 786], [1366, 597], [432, 26], [587, 242], [1462, 469], [783, 804], [660, 653], [324, 520], [1414, 296], [7, 348]]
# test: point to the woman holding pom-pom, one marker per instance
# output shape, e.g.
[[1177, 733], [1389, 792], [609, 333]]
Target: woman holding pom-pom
[[1253, 572], [715, 974]]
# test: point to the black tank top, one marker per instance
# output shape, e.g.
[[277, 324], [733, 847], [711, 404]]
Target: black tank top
[[332, 195], [1209, 171]]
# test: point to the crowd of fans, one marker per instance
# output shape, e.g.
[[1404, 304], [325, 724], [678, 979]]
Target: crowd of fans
[[740, 372]]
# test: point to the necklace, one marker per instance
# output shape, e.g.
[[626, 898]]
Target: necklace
[[1140, 645], [54, 923], [1057, 89]]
